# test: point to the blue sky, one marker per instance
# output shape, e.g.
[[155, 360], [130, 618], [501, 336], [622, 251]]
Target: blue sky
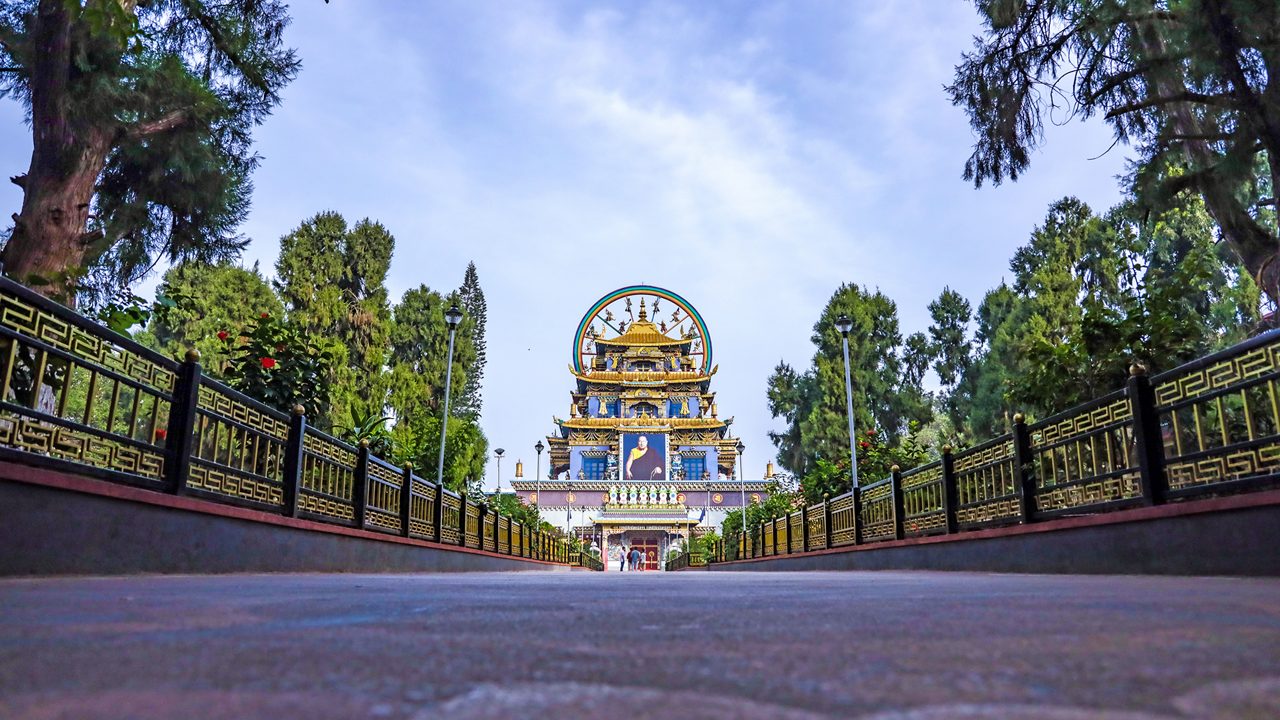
[[749, 156]]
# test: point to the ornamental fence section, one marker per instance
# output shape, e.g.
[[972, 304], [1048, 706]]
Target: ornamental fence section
[[1209, 427], [80, 398]]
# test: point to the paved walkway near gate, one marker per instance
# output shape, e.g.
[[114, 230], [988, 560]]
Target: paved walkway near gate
[[640, 645]]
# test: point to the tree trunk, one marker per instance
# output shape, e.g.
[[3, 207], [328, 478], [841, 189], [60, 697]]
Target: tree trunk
[[47, 247], [1253, 243]]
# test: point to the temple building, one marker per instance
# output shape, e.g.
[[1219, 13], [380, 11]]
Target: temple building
[[643, 459]]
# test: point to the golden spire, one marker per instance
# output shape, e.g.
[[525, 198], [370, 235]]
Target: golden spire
[[643, 316]]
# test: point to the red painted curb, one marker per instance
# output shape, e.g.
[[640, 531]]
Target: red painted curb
[[1143, 514], [45, 477]]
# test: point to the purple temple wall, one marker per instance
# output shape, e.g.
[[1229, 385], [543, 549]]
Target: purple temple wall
[[594, 499]]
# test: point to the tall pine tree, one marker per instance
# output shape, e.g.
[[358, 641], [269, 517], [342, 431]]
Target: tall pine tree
[[142, 115], [473, 305]]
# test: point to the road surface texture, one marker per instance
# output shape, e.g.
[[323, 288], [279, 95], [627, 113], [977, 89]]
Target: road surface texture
[[883, 645]]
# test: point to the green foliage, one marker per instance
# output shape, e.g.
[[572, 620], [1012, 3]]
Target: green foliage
[[419, 354], [1193, 83], [782, 499], [206, 300], [1092, 294], [886, 378], [465, 455], [155, 103], [876, 458], [372, 428], [476, 311], [278, 363], [331, 279]]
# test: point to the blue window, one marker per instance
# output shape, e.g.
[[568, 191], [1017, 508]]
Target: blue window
[[593, 468], [693, 468]]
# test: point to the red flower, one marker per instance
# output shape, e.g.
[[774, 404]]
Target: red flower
[[864, 444], [161, 433], [265, 315], [267, 362], [871, 433], [222, 335]]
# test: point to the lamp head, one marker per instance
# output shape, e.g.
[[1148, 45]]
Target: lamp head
[[539, 447], [499, 452], [453, 316], [844, 324], [741, 447]]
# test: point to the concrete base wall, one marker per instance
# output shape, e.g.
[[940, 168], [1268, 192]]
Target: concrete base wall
[[103, 529], [1225, 536]]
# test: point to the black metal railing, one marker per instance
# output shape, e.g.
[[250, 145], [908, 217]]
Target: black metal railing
[[1209, 427], [81, 398]]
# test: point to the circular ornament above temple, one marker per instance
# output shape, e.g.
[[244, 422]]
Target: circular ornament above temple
[[640, 319]]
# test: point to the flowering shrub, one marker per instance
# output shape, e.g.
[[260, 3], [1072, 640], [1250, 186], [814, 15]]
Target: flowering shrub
[[278, 364], [876, 459]]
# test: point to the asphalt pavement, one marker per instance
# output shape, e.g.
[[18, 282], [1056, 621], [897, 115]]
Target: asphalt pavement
[[883, 645]]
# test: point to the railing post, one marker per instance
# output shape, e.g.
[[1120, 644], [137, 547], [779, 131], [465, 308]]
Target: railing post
[[497, 529], [484, 509], [360, 484], [1148, 438], [774, 526], [804, 527], [180, 435], [899, 503], [406, 498], [857, 515], [462, 520], [437, 533], [293, 450], [1022, 467], [826, 518], [950, 493]]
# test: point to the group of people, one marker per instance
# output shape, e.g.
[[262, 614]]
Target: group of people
[[632, 559]]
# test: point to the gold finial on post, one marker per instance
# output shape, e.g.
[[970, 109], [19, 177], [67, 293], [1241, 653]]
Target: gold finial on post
[[1136, 369], [299, 410], [193, 355]]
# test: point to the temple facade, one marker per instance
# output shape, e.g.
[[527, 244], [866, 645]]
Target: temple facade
[[643, 458]]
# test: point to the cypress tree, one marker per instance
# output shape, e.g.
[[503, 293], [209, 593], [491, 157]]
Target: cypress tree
[[473, 305]]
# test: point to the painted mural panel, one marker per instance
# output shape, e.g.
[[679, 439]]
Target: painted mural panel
[[645, 457]]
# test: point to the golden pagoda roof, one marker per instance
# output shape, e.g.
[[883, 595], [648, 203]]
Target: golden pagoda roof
[[612, 422], [643, 333], [643, 376]]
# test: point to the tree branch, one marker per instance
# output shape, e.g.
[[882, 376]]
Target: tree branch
[[162, 124], [1193, 97]]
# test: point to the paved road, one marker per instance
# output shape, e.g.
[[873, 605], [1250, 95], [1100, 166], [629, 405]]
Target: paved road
[[644, 645]]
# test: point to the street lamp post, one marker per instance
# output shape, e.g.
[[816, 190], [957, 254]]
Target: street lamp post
[[498, 454], [537, 474], [452, 317], [844, 325], [742, 480]]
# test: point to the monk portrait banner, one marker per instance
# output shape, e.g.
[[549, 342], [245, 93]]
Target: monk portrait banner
[[644, 457]]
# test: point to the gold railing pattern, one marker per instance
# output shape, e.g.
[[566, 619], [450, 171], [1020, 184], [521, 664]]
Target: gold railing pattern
[[75, 392], [986, 485], [795, 531], [422, 509], [817, 526], [328, 477], [1221, 418], [844, 523], [924, 501], [239, 448], [78, 397], [383, 493], [770, 530], [877, 511], [473, 525], [504, 527], [1086, 457], [452, 515], [517, 538]]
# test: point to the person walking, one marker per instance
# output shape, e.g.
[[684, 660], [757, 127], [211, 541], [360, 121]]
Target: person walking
[[622, 560]]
